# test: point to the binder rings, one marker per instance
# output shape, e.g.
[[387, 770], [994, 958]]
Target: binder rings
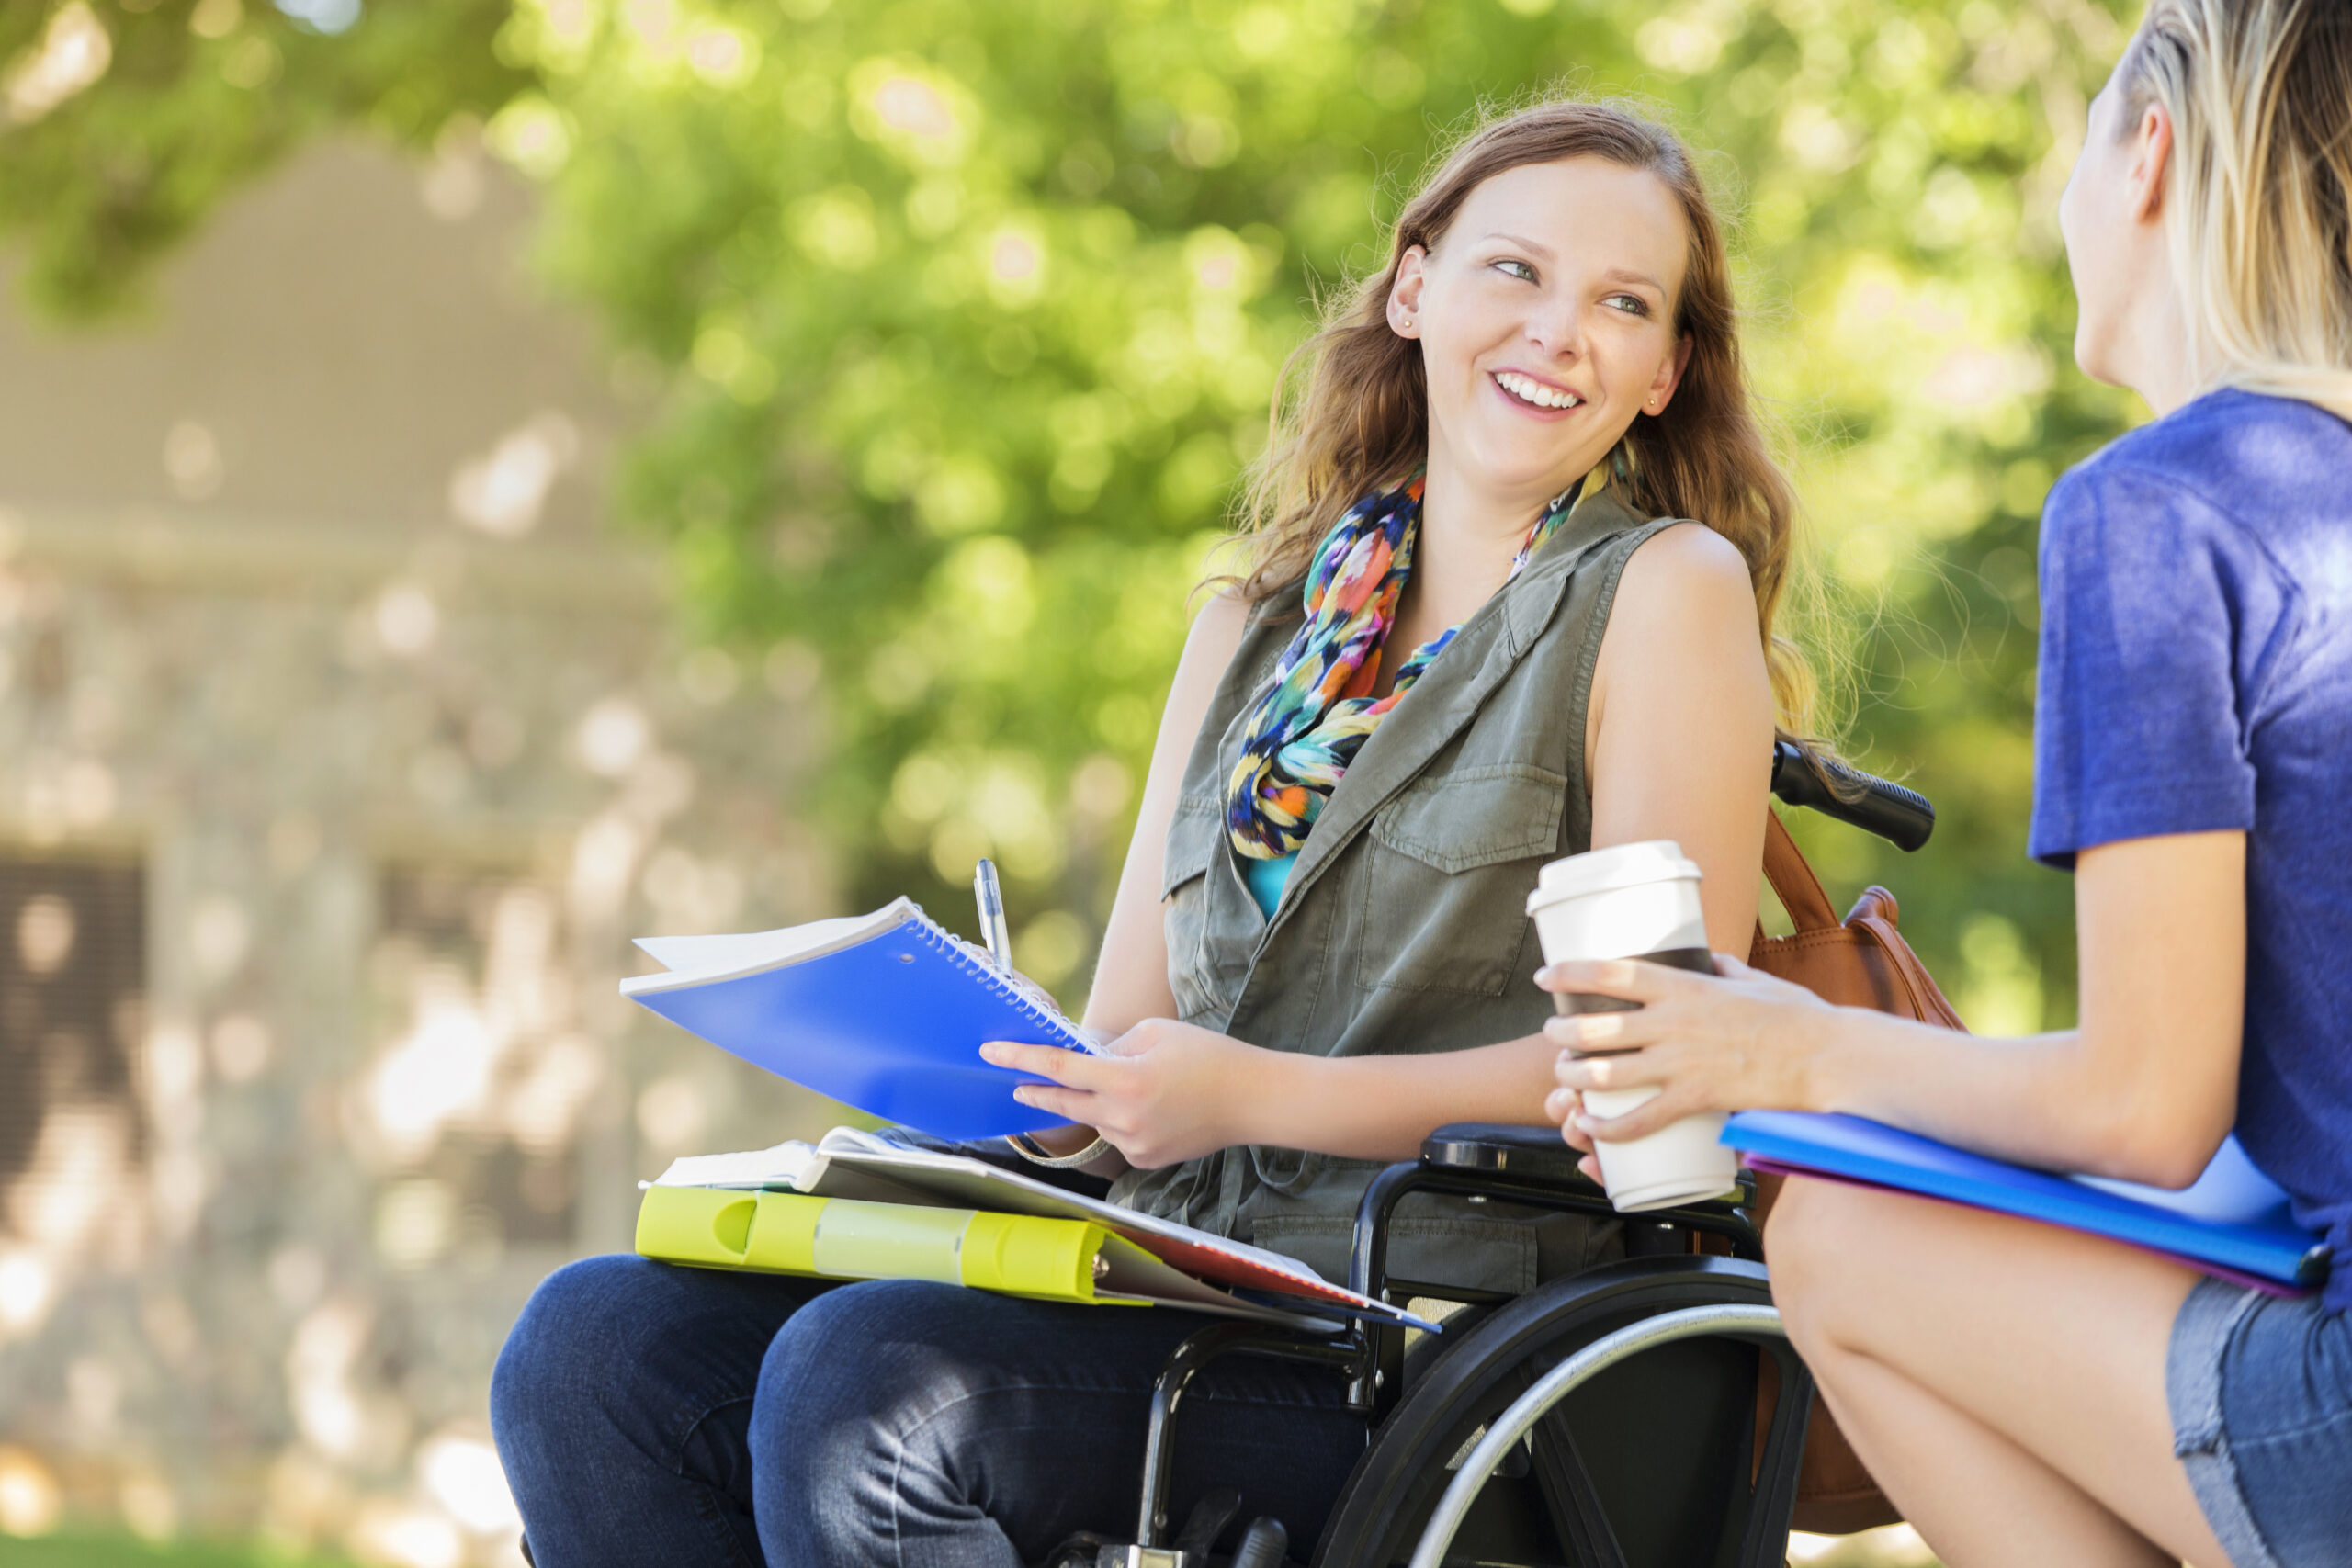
[[2232, 1221], [884, 1011]]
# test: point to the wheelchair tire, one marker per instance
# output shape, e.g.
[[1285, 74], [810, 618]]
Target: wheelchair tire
[[1659, 1448]]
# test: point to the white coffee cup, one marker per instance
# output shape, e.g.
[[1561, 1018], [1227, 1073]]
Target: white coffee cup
[[1636, 901]]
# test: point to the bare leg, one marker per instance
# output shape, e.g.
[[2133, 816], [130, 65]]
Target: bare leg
[[2003, 1380]]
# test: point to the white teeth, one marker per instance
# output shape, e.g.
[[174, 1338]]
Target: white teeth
[[1527, 389]]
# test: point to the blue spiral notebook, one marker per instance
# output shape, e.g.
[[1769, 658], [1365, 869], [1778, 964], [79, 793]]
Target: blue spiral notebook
[[2232, 1221], [884, 1012]]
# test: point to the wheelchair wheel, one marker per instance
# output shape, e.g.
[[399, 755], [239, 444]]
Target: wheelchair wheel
[[1649, 1465]]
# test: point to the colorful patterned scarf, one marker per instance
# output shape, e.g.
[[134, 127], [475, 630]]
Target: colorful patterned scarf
[[1308, 726]]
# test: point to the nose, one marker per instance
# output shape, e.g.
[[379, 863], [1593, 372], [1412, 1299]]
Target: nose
[[1555, 327]]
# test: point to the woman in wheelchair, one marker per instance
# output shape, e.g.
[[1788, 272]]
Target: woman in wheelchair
[[2026, 1393], [1472, 638]]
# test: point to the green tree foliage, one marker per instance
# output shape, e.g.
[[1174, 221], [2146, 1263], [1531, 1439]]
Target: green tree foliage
[[191, 100], [967, 314]]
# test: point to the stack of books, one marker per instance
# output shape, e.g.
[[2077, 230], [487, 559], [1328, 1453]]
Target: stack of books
[[863, 1205]]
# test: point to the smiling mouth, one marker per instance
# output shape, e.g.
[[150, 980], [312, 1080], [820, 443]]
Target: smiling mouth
[[1533, 393]]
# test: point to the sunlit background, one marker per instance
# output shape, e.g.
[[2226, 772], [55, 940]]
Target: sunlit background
[[481, 480]]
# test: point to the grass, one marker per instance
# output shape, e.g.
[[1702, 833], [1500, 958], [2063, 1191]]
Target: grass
[[1898, 1546], [79, 1550]]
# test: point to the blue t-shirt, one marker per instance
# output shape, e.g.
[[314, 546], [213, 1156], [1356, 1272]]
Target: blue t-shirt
[[2196, 675]]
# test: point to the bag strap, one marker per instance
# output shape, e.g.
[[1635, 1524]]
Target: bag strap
[[1792, 881]]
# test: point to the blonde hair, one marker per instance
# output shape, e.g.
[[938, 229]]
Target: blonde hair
[[2259, 191], [1362, 421]]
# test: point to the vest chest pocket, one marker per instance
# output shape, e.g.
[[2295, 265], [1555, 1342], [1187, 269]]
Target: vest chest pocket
[[1449, 864], [1193, 843]]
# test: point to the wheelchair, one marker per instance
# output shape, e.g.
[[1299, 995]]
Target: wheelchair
[[1607, 1420], [1648, 1413]]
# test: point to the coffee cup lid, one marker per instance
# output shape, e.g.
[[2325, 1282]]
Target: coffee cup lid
[[1619, 865]]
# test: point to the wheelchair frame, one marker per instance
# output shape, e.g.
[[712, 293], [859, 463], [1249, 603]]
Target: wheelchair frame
[[1701, 1295]]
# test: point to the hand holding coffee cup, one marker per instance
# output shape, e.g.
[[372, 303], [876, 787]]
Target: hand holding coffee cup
[[1635, 901]]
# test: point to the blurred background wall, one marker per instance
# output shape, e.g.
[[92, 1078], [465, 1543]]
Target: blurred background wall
[[342, 746]]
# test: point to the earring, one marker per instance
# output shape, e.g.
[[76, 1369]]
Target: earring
[[1407, 322]]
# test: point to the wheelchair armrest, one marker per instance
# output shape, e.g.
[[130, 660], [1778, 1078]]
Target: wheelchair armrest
[[1531, 1153], [1539, 1156]]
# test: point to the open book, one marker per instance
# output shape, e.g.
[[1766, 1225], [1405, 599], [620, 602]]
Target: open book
[[884, 1012], [1196, 1268]]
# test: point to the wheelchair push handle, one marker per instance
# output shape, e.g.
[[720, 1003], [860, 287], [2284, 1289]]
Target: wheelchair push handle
[[1903, 817]]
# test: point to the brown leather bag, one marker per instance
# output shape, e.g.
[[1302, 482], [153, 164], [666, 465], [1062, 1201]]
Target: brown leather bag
[[1864, 962]]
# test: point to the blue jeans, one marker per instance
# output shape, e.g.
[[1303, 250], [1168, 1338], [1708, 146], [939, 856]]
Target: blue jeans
[[2261, 1396], [649, 1415]]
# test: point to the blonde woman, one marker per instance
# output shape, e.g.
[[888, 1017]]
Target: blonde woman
[[1474, 639], [2026, 1394]]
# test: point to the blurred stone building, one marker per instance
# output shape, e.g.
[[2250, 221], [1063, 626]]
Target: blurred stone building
[[342, 747]]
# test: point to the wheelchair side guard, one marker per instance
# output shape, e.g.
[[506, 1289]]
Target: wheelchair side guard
[[1519, 1165], [1457, 1399], [1583, 1522], [1176, 1375]]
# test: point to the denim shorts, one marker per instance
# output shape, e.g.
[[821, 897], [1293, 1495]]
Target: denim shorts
[[2261, 1393]]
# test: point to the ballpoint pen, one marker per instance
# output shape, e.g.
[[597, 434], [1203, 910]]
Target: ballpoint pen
[[993, 929]]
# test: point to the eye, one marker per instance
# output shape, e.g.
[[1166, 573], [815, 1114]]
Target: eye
[[1517, 269], [1631, 304]]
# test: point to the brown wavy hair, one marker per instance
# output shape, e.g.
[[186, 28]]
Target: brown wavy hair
[[1362, 421]]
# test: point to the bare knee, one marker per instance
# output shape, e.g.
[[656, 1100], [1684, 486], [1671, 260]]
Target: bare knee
[[1824, 1242]]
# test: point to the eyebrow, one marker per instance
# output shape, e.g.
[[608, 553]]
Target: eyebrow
[[1523, 244], [1618, 275], [1614, 274]]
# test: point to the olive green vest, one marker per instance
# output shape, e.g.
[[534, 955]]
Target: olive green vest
[[1404, 925]]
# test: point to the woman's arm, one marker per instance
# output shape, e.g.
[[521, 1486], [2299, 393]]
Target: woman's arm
[[1680, 747], [1131, 975], [2144, 1088], [1680, 729]]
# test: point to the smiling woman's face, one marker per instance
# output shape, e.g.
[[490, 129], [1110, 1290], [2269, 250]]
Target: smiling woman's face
[[1545, 316]]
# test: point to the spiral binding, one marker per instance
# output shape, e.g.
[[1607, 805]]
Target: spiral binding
[[1055, 1023]]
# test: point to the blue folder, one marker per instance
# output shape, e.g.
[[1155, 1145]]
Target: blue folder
[[2232, 1221], [886, 1012]]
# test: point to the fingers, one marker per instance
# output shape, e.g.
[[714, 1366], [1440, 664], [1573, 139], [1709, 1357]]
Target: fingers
[[1607, 1030], [1652, 1115], [1627, 979], [1133, 1043], [1630, 1070], [1626, 1069], [1580, 1128], [1074, 1069], [1565, 1106], [1073, 1105]]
